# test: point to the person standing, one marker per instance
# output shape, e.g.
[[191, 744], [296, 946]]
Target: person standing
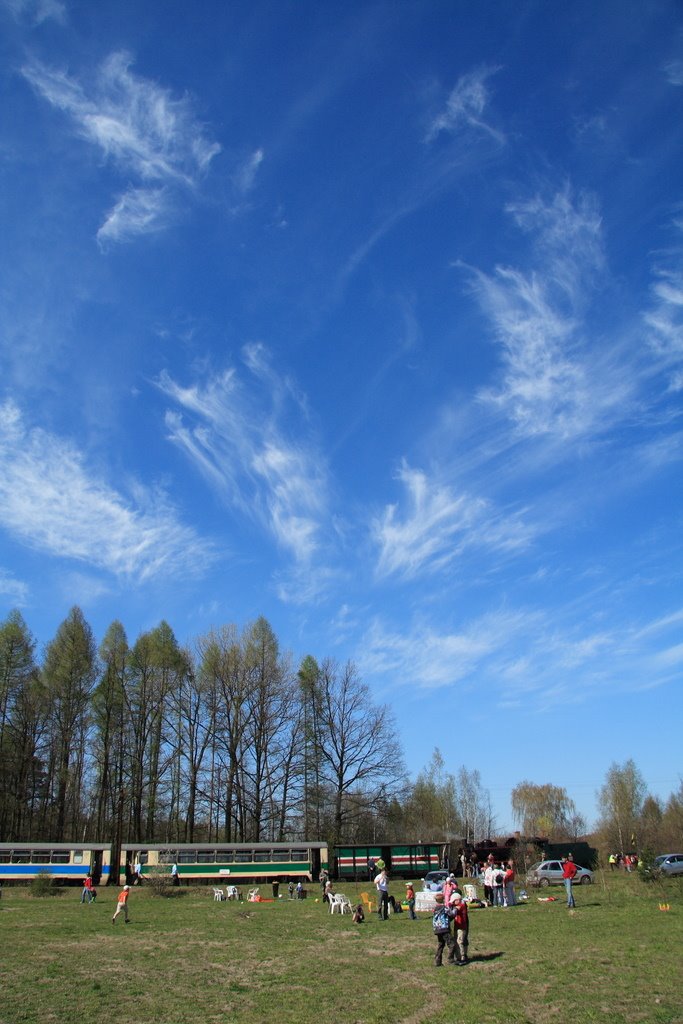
[[174, 874], [509, 885], [461, 929], [441, 924], [410, 898], [122, 905], [86, 894], [382, 886], [568, 874]]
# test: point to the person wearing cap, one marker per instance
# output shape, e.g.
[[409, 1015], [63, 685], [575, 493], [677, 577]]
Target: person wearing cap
[[410, 897], [461, 929], [122, 905]]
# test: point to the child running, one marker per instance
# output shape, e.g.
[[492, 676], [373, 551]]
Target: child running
[[122, 905]]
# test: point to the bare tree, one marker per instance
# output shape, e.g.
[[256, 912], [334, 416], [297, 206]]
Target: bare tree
[[357, 744]]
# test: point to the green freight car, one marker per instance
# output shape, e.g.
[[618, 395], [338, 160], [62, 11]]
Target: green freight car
[[402, 860]]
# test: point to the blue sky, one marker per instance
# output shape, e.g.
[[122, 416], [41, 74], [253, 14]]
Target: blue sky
[[365, 317]]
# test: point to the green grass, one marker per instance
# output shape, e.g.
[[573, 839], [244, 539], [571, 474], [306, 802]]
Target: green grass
[[616, 959]]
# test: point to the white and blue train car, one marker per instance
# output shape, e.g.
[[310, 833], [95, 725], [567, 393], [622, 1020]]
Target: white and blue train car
[[66, 862]]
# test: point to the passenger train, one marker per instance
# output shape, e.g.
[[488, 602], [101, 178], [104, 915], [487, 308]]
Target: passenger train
[[196, 862], [215, 862]]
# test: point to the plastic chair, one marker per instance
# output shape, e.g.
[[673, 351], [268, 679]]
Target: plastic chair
[[218, 895], [368, 904]]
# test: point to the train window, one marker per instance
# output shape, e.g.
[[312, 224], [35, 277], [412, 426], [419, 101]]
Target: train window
[[225, 856], [40, 857], [78, 857], [167, 856], [263, 856], [244, 856], [5, 856], [187, 856], [282, 855], [60, 857], [21, 856], [299, 854], [206, 856]]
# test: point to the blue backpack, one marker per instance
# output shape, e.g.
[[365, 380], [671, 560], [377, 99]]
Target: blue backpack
[[441, 922]]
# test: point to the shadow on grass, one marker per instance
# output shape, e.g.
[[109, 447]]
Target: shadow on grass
[[482, 958]]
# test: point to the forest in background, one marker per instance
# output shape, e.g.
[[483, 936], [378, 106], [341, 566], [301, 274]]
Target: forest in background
[[227, 740]]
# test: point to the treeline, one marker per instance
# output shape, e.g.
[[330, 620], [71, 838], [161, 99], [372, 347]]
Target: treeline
[[223, 741], [227, 740]]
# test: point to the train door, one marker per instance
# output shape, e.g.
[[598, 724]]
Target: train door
[[315, 863], [96, 866], [386, 856]]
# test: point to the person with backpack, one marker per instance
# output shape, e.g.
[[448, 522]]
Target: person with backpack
[[441, 924]]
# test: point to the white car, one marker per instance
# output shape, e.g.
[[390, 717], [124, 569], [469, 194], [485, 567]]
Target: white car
[[549, 872]]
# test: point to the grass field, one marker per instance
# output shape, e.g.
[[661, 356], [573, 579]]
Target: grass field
[[616, 959]]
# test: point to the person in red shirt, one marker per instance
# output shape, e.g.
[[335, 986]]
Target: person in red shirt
[[509, 885], [87, 893], [122, 905], [568, 874], [461, 929]]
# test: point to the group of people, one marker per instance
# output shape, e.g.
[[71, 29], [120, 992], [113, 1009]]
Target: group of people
[[499, 883], [450, 922], [627, 861]]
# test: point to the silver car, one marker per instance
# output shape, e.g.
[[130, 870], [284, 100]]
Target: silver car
[[434, 881], [669, 864], [549, 872]]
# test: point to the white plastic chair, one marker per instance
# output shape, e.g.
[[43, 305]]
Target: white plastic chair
[[218, 895]]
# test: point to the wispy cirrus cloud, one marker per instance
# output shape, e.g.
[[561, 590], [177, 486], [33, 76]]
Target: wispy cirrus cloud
[[664, 319], [438, 525], [237, 440], [466, 106], [141, 128], [527, 656], [37, 11], [549, 385], [49, 502]]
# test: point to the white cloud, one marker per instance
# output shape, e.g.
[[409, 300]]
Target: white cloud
[[674, 72], [549, 384], [538, 658], [137, 212], [245, 176], [438, 526], [37, 11], [424, 657], [13, 589], [466, 106], [141, 127], [665, 316], [238, 441], [50, 503]]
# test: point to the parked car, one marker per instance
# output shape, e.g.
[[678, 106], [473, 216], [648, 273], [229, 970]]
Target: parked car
[[549, 872], [669, 864], [433, 881]]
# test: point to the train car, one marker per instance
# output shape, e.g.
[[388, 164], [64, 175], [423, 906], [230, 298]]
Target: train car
[[236, 862], [402, 860], [66, 862]]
